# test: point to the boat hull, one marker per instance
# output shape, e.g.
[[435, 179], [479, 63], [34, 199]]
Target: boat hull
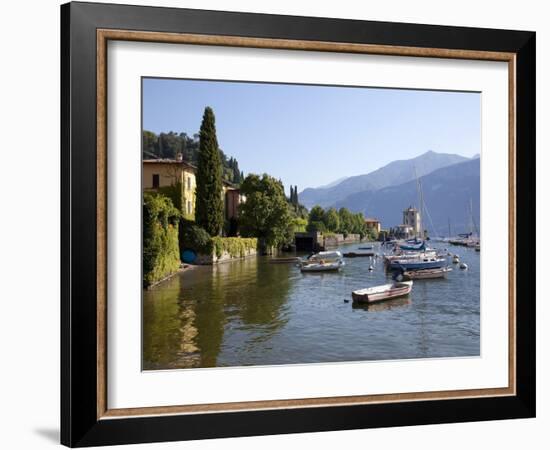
[[325, 267], [396, 291], [358, 254], [426, 274], [417, 265]]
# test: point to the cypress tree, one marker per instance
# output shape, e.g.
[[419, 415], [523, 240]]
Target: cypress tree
[[209, 203]]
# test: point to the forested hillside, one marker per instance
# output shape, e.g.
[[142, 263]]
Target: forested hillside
[[168, 145]]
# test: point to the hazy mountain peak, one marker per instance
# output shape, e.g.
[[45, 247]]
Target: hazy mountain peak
[[447, 191], [396, 172]]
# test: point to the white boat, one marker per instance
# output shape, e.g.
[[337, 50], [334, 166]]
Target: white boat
[[323, 262], [425, 274], [410, 255], [383, 292], [325, 256], [418, 263]]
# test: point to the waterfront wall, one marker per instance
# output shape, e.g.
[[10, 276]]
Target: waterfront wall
[[205, 260], [227, 249], [334, 240]]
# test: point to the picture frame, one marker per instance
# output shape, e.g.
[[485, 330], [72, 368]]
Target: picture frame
[[86, 418]]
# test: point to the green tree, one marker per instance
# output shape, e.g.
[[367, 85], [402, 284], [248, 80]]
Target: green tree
[[346, 221], [209, 203], [316, 214], [358, 225], [265, 213], [150, 145], [316, 226], [331, 219]]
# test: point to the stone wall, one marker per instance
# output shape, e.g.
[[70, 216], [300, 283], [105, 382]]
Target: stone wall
[[225, 256], [334, 240]]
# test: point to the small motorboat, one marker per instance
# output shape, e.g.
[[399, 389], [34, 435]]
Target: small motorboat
[[383, 292], [463, 266], [322, 266], [323, 262], [410, 255], [429, 262], [456, 259], [426, 274]]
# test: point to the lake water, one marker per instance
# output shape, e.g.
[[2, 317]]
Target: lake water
[[250, 312]]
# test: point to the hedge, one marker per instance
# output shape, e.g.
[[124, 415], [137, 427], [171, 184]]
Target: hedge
[[160, 238], [237, 247]]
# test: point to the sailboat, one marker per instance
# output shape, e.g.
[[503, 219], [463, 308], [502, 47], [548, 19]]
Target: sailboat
[[471, 238]]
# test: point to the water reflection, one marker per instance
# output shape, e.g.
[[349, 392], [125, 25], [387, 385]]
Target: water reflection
[[186, 318], [383, 306], [251, 312]]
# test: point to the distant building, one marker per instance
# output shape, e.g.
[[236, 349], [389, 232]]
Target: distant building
[[159, 173], [232, 198], [411, 218], [403, 231], [373, 224]]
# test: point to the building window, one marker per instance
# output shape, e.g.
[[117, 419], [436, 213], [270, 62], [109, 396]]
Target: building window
[[189, 207], [189, 183], [156, 180]]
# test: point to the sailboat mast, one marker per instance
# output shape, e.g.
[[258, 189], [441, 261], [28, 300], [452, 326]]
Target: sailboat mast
[[420, 202], [471, 218]]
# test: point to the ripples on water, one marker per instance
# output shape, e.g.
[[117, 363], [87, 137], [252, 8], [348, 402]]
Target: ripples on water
[[250, 312]]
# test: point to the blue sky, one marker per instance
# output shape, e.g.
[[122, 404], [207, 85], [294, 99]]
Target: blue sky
[[312, 135]]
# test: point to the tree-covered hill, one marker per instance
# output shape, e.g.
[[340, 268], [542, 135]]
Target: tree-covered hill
[[168, 145]]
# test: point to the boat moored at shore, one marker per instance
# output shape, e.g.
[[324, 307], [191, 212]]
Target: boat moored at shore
[[323, 262], [425, 274], [426, 262], [383, 292]]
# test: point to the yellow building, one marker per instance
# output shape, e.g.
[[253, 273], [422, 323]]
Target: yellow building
[[159, 173], [373, 224]]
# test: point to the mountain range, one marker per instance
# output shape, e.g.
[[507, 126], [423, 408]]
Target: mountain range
[[449, 184]]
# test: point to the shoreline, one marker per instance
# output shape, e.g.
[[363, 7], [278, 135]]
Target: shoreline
[[183, 268]]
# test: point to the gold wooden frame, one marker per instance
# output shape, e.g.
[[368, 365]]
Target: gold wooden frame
[[104, 35]]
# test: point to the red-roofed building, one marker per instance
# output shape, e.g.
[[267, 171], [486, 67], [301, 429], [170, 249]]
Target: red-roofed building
[[373, 224]]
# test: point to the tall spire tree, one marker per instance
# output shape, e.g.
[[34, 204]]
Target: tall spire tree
[[209, 203]]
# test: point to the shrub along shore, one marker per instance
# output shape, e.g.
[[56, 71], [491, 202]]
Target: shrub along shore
[[266, 220]]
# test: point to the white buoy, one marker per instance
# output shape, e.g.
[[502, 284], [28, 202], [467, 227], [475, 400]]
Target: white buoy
[[456, 259], [371, 268], [463, 266]]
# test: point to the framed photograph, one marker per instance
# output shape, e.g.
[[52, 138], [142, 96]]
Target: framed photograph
[[276, 224]]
